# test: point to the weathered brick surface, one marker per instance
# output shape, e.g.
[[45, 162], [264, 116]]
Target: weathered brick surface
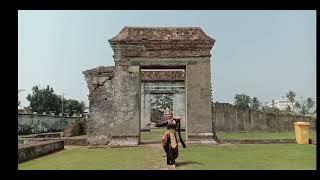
[[161, 43], [229, 118], [199, 115], [114, 92], [30, 151], [78, 140], [113, 104], [162, 76], [74, 129]]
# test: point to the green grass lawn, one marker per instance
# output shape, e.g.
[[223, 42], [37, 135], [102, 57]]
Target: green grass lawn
[[263, 135], [224, 156], [156, 134], [195, 157], [91, 159]]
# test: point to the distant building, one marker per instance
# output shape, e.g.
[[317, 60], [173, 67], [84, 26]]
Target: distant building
[[86, 112], [21, 109], [283, 103]]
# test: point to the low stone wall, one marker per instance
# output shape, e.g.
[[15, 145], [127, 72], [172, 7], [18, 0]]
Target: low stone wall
[[36, 123], [229, 118], [43, 135], [74, 141], [32, 150]]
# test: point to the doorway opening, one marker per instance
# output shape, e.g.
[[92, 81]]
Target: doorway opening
[[161, 88]]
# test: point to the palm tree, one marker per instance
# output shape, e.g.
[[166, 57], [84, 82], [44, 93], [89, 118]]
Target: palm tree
[[297, 105], [310, 103], [291, 97], [288, 108], [304, 110], [255, 103]]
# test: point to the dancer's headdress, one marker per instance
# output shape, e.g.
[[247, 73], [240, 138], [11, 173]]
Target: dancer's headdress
[[167, 111]]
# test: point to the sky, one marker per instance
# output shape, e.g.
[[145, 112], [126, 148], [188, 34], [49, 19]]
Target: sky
[[260, 53]]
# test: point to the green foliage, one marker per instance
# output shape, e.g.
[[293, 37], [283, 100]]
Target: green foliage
[[255, 103], [159, 101], [73, 106], [304, 110], [288, 109], [291, 97], [242, 100], [305, 107], [310, 103], [297, 105], [45, 100]]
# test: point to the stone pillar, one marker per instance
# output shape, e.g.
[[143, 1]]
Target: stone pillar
[[199, 116], [145, 109], [179, 108], [126, 130]]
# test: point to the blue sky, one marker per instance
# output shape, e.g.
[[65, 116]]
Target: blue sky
[[260, 53]]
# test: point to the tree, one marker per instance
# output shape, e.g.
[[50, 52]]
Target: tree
[[255, 104], [159, 101], [44, 100], [291, 97], [297, 105], [242, 100], [288, 109], [73, 106], [310, 104], [304, 109]]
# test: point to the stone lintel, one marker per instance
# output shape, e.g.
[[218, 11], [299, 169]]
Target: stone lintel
[[162, 75]]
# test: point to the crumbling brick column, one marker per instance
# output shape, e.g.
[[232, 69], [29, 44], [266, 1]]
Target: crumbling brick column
[[114, 106]]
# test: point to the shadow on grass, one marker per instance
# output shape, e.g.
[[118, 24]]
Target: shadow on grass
[[178, 164]]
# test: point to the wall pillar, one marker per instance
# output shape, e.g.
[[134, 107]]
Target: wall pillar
[[199, 121]]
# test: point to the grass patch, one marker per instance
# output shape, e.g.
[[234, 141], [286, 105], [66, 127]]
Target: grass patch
[[157, 133], [263, 135], [250, 157], [195, 157], [92, 159]]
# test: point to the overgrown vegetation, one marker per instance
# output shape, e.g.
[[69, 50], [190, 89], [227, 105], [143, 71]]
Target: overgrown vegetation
[[45, 100]]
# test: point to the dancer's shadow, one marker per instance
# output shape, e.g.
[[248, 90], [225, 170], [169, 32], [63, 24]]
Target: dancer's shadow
[[187, 163]]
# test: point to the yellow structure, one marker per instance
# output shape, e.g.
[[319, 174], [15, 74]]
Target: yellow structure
[[302, 132]]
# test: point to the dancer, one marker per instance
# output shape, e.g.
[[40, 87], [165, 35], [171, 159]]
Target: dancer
[[169, 139]]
